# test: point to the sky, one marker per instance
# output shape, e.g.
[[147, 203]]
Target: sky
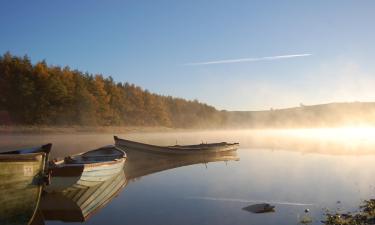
[[234, 55]]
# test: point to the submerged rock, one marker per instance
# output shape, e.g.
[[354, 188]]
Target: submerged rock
[[306, 220], [260, 208]]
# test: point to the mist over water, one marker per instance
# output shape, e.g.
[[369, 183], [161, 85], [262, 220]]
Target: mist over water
[[347, 140], [293, 169], [337, 141]]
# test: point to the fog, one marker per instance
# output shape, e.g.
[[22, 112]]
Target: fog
[[341, 141], [293, 169]]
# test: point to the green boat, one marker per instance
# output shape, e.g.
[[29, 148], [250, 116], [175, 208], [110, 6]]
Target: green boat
[[22, 176]]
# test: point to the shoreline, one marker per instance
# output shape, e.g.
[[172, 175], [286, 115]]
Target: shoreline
[[80, 129], [22, 129]]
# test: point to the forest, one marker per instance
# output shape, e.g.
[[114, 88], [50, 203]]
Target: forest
[[42, 94]]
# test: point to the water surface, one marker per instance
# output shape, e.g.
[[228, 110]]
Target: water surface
[[282, 172]]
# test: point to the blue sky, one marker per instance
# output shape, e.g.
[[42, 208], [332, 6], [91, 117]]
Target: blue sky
[[155, 44]]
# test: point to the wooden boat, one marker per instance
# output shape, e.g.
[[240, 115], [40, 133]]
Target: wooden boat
[[79, 204], [22, 176], [86, 169], [176, 149]]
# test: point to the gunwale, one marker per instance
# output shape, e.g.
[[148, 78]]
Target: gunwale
[[86, 173]]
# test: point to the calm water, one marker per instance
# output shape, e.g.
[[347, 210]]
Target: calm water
[[282, 170]]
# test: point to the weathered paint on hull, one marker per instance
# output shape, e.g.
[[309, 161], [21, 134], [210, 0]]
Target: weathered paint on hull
[[84, 176], [20, 187], [92, 176]]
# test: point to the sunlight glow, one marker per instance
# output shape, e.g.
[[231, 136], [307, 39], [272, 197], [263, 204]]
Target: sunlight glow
[[340, 140], [338, 134]]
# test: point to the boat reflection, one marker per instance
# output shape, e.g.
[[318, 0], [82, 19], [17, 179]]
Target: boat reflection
[[143, 163], [79, 203]]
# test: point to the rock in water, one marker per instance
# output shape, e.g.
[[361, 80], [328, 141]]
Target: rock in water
[[260, 208]]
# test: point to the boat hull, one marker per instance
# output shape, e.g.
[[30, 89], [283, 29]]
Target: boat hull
[[83, 175], [21, 182], [128, 145]]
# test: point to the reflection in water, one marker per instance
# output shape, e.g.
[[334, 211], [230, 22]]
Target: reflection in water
[[141, 163], [79, 203], [249, 201], [287, 179]]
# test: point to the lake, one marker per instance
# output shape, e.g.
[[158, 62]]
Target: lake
[[293, 170]]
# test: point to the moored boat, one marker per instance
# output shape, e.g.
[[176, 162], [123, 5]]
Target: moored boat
[[86, 169], [176, 149], [22, 176]]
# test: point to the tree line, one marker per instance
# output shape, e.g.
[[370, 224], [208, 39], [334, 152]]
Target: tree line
[[42, 94]]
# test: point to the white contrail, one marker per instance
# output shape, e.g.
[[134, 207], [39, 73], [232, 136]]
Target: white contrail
[[248, 201], [267, 58]]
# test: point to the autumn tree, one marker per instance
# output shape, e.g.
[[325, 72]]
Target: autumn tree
[[52, 95]]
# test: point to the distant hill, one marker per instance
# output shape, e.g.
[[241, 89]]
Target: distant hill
[[42, 94], [324, 115]]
